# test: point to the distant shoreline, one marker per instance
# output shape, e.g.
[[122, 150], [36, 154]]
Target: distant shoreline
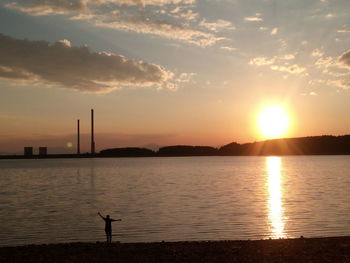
[[316, 145], [71, 156], [326, 249]]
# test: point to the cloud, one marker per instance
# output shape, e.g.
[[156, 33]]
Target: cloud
[[311, 93], [154, 17], [76, 68], [256, 18], [10, 73], [343, 31], [317, 53], [274, 31], [325, 62], [185, 77], [293, 69], [336, 70], [218, 25], [340, 83], [188, 15], [287, 57], [261, 61], [253, 19], [228, 48], [334, 63], [345, 59], [176, 10], [47, 7], [275, 61], [145, 2], [329, 16], [161, 28], [65, 42]]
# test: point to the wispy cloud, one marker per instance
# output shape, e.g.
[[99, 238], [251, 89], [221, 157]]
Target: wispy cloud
[[188, 15], [228, 48], [335, 70], [287, 57], [44, 7], [218, 25], [274, 31], [343, 31], [325, 62], [253, 19], [317, 53], [330, 16], [262, 61], [311, 93], [345, 59], [292, 69], [78, 68], [161, 28], [278, 63], [256, 18], [154, 17], [340, 83], [48, 7]]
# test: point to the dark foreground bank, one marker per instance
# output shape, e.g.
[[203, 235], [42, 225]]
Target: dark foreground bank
[[335, 249]]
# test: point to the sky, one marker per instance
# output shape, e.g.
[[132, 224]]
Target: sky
[[169, 72]]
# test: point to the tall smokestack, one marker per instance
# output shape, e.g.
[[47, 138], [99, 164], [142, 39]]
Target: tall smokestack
[[78, 137], [92, 132]]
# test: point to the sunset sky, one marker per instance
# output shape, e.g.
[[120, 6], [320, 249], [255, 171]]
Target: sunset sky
[[169, 72]]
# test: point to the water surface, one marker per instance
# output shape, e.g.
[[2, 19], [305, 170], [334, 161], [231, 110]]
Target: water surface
[[171, 199]]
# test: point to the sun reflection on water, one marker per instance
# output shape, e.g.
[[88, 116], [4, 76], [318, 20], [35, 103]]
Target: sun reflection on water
[[276, 218]]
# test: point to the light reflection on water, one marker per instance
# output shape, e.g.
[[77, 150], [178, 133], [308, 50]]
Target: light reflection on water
[[172, 199], [275, 190]]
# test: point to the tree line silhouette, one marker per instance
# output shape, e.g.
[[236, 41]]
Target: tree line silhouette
[[316, 145]]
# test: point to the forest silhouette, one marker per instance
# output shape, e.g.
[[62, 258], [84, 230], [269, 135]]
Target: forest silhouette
[[316, 145]]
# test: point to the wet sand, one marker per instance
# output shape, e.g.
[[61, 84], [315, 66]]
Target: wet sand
[[332, 249]]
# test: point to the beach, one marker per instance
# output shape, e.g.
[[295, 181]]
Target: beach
[[331, 249]]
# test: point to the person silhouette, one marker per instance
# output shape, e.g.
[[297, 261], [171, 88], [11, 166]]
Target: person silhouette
[[108, 226]]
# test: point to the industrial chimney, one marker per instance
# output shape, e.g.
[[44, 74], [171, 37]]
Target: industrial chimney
[[78, 137], [92, 132]]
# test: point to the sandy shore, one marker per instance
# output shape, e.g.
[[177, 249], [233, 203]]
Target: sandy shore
[[333, 249]]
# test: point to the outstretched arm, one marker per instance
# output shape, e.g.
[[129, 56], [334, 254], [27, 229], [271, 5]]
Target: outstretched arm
[[116, 220], [101, 215]]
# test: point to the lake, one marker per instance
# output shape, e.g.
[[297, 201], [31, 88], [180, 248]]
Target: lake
[[173, 199]]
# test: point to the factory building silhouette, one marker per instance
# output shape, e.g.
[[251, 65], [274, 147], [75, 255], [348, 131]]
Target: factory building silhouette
[[28, 150], [42, 151]]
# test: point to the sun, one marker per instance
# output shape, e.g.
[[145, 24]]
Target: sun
[[273, 122]]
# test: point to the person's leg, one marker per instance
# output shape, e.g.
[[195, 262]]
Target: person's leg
[[107, 236]]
